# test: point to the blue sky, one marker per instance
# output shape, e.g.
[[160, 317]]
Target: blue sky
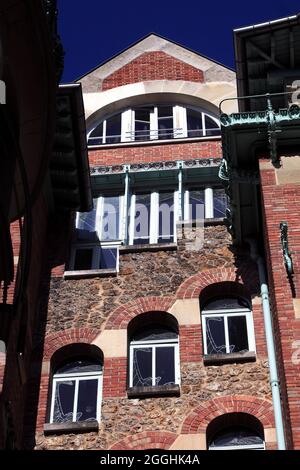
[[92, 31]]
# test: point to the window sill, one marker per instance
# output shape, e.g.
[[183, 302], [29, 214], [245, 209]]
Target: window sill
[[217, 359], [89, 273], [71, 428], [199, 222], [158, 391], [147, 247]]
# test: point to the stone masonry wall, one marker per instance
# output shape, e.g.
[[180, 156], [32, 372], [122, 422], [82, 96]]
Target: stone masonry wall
[[87, 304]]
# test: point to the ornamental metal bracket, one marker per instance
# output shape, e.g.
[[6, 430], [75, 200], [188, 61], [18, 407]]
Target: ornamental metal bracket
[[223, 170], [285, 248], [272, 133]]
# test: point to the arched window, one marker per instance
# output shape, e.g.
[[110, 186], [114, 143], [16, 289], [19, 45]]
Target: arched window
[[237, 438], [76, 391], [154, 122], [235, 431], [153, 352], [227, 322]]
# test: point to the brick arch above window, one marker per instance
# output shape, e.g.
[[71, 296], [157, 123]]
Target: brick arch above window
[[121, 316], [200, 417], [146, 440], [59, 339], [247, 274]]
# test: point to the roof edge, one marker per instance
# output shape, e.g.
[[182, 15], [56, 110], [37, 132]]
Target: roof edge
[[142, 39]]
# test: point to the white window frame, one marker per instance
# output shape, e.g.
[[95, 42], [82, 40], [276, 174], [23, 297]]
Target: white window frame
[[208, 200], [242, 447], [180, 130], [154, 215], [77, 377], [83, 246], [96, 257], [153, 344], [225, 313]]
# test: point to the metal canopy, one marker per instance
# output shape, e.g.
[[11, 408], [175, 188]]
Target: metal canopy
[[267, 60]]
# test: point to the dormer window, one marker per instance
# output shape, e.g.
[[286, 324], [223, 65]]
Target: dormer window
[[154, 122]]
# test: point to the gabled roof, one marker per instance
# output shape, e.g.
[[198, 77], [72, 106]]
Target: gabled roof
[[213, 70]]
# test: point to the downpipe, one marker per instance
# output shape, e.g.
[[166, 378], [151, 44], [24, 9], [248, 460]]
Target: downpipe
[[274, 381]]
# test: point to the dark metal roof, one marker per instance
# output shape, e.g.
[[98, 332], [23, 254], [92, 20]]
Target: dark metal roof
[[267, 60], [69, 166]]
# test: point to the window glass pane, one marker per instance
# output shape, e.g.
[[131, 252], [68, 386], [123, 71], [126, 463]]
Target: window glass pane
[[220, 203], [238, 338], [83, 258], [96, 136], [113, 129], [142, 123], [85, 224], [236, 436], [64, 401], [108, 258], [196, 205], [212, 128], [165, 366], [87, 400], [165, 111], [223, 303], [79, 366], [215, 335], [142, 218], [154, 333], [194, 123], [166, 218], [111, 218], [165, 128], [142, 367]]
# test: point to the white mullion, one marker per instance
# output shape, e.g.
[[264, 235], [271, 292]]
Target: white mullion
[[153, 365], [209, 203], [104, 132], [126, 125], [131, 351], [132, 219], [153, 116], [99, 216], [250, 331], [54, 385], [177, 363], [75, 405], [204, 334], [186, 205], [99, 399], [154, 217], [203, 124], [227, 343]]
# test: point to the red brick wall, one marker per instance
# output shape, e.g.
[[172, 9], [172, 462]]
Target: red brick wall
[[152, 66], [190, 340], [155, 153], [282, 203], [115, 377]]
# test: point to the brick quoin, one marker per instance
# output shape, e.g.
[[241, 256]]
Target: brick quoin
[[146, 440], [121, 316], [198, 419], [155, 153], [155, 65]]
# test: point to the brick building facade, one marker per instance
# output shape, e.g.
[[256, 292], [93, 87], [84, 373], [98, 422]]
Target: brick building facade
[[153, 334]]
